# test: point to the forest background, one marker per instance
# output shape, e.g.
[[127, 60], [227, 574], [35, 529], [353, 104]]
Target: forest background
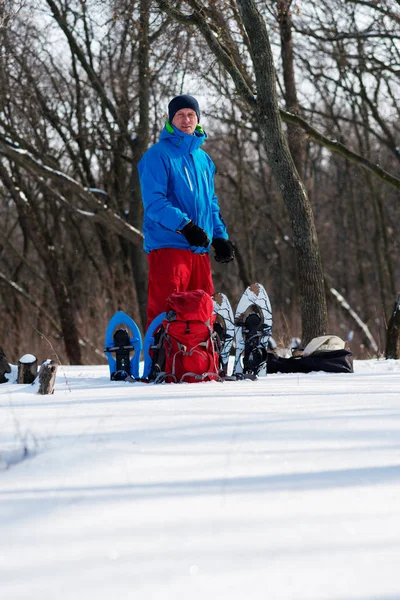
[[84, 89]]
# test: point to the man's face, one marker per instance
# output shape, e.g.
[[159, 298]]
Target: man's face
[[185, 120]]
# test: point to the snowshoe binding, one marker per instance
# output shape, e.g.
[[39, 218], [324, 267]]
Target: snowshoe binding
[[158, 356], [224, 329], [122, 347], [255, 353], [253, 321]]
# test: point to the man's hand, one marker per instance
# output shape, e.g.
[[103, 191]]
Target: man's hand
[[196, 236], [224, 250]]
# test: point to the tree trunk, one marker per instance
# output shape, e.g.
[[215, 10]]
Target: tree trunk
[[243, 270], [4, 367], [295, 133], [66, 315], [30, 221], [393, 333], [138, 257], [47, 377], [312, 292], [27, 369]]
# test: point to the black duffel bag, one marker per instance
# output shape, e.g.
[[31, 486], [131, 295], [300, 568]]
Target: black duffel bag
[[335, 361]]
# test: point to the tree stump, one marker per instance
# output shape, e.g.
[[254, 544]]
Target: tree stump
[[393, 333], [47, 377], [27, 369], [4, 367]]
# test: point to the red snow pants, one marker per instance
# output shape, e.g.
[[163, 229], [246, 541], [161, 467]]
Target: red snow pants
[[175, 270]]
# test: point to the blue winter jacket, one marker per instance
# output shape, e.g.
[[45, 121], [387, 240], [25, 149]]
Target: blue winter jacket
[[177, 182]]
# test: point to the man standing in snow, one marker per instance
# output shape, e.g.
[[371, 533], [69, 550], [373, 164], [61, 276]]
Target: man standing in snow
[[181, 213]]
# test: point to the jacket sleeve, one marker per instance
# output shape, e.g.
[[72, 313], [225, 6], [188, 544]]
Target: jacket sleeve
[[154, 174], [219, 227]]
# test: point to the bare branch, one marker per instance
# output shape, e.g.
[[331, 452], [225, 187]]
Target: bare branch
[[222, 54], [341, 149], [197, 18], [17, 288], [97, 210]]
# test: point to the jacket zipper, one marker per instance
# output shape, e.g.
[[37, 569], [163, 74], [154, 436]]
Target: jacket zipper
[[206, 178], [188, 178]]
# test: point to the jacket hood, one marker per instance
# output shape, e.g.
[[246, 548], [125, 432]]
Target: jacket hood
[[184, 140]]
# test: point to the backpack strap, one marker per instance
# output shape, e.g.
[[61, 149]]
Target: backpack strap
[[182, 349]]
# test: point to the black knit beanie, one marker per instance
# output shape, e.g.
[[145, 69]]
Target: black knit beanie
[[183, 101]]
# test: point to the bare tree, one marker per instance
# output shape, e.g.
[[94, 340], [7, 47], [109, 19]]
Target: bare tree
[[73, 126], [266, 110], [84, 90]]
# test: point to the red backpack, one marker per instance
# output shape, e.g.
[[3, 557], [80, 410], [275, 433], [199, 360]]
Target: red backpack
[[186, 345]]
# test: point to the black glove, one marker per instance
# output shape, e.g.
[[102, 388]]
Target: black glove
[[196, 236], [224, 250]]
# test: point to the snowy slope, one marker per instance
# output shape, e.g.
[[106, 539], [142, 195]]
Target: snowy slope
[[283, 488]]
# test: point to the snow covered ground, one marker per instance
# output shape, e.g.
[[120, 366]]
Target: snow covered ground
[[283, 488]]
